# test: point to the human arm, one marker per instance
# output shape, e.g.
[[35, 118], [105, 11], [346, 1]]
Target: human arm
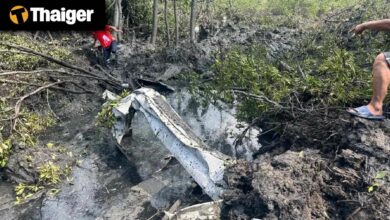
[[115, 29], [378, 25]]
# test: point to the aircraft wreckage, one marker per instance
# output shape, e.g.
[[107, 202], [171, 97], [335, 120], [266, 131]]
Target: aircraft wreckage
[[207, 166]]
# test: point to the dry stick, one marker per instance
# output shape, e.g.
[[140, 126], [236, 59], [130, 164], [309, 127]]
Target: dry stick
[[49, 71], [20, 101], [111, 79], [260, 97], [54, 87], [173, 209], [240, 138]]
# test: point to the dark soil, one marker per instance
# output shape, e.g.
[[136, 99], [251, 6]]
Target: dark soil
[[320, 168], [306, 181]]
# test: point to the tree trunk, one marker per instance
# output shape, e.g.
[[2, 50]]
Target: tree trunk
[[166, 22], [192, 21], [116, 17], [155, 22], [120, 19], [176, 23]]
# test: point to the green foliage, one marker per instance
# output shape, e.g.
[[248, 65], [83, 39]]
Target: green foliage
[[247, 78], [338, 80], [22, 61], [49, 173], [30, 124], [5, 150], [105, 117], [378, 181], [250, 71], [24, 192], [280, 12]]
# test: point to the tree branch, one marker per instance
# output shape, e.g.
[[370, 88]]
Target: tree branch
[[259, 97], [20, 101], [49, 71], [111, 80]]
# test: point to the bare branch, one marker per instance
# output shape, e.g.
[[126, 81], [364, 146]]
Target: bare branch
[[53, 87], [49, 71], [111, 79], [259, 97]]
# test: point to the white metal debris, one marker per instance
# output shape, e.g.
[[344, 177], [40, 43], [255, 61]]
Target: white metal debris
[[206, 211], [206, 166]]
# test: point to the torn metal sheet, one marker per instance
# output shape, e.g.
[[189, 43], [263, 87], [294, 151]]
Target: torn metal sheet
[[205, 165]]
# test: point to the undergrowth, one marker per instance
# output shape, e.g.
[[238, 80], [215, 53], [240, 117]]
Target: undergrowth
[[49, 174], [20, 61], [106, 117], [24, 129], [326, 69]]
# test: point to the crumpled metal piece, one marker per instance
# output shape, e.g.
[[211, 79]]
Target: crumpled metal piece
[[205, 165], [206, 211]]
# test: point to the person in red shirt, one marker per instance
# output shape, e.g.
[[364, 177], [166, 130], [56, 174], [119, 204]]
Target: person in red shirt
[[107, 41]]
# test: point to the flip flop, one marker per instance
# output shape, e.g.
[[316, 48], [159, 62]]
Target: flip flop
[[364, 112]]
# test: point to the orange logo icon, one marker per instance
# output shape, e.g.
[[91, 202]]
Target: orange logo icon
[[18, 14]]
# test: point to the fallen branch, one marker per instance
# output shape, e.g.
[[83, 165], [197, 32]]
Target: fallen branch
[[54, 87], [49, 71], [239, 140], [20, 101], [112, 80], [173, 209], [259, 97]]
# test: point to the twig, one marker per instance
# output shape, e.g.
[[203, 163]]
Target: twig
[[173, 208], [240, 138], [354, 213], [54, 87], [260, 97], [49, 71], [20, 101], [155, 214], [112, 80]]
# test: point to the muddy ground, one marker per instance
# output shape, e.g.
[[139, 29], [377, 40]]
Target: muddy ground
[[322, 174]]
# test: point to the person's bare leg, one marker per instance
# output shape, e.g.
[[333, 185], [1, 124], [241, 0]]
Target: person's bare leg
[[380, 81]]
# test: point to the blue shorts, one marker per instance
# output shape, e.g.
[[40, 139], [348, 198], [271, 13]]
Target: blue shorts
[[111, 49]]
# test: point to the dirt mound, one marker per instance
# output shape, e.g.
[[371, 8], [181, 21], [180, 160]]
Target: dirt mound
[[349, 181]]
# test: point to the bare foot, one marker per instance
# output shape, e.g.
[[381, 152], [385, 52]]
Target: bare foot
[[375, 110]]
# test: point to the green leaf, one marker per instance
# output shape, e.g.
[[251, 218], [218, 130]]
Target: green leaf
[[381, 175], [50, 145]]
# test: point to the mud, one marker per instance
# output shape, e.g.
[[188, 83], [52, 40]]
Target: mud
[[321, 173], [168, 63]]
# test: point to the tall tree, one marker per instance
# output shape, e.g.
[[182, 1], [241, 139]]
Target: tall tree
[[176, 23], [192, 20], [155, 22], [166, 22], [118, 18]]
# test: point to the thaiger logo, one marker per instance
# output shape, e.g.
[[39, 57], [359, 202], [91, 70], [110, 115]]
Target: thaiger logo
[[20, 15], [69, 16]]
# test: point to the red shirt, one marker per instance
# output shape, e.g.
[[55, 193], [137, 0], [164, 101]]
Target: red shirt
[[104, 37]]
